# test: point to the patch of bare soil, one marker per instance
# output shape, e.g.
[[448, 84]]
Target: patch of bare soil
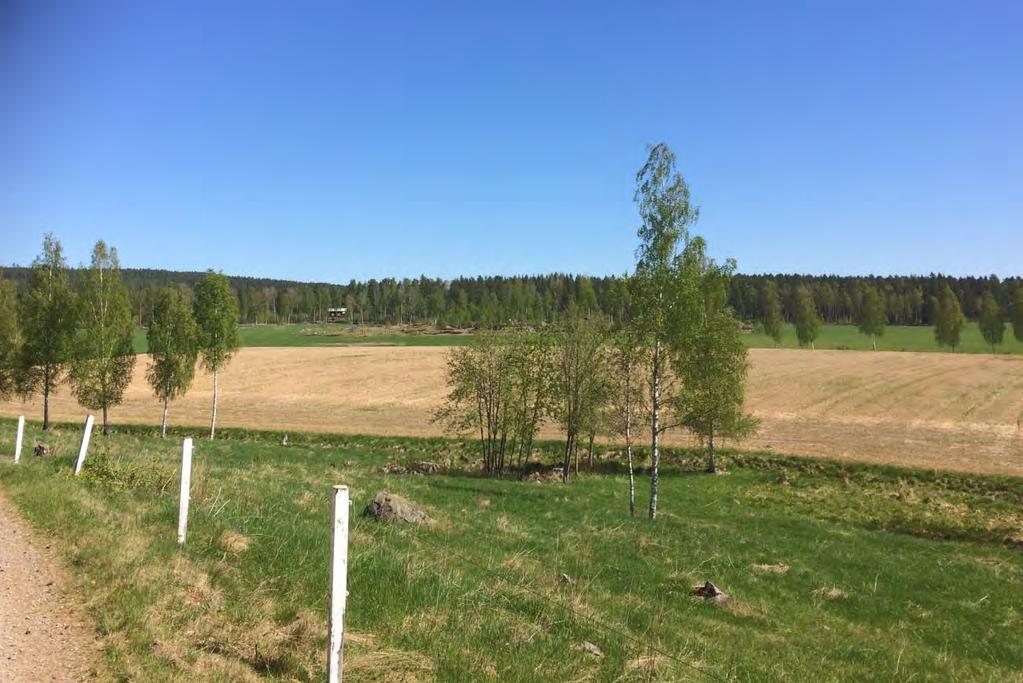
[[42, 635], [959, 412]]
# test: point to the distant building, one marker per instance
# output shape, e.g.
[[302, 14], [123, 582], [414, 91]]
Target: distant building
[[336, 315]]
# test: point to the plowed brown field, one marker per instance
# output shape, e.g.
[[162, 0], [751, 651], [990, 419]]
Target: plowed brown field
[[952, 411]]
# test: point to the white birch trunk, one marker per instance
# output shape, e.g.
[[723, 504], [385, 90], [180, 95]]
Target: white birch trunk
[[163, 423], [213, 419], [338, 584], [655, 406]]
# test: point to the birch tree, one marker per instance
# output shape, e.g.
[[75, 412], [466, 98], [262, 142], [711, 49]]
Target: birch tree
[[628, 404], [992, 324], [172, 349], [714, 365], [808, 320], [479, 396], [9, 338], [531, 366], [103, 357], [658, 286], [771, 315], [948, 319], [216, 318], [871, 314], [579, 382], [47, 320], [1017, 313]]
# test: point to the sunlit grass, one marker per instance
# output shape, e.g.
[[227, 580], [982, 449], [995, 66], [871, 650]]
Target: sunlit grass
[[891, 573]]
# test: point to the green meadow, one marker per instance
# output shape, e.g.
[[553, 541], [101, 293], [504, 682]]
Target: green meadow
[[834, 572], [895, 338]]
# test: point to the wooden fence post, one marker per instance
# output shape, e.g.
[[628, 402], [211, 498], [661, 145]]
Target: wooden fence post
[[338, 584], [186, 485], [18, 440], [85, 445]]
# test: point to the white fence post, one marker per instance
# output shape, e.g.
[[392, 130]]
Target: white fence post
[[18, 440], [186, 485], [338, 584], [85, 445]]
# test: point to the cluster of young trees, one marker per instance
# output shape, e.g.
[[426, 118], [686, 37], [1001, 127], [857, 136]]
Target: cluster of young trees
[[76, 327], [904, 300], [675, 359], [869, 315]]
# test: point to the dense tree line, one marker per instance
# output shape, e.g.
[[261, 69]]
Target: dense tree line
[[494, 301]]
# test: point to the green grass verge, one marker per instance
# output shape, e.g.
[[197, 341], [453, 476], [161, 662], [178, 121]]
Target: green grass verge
[[896, 338], [893, 574]]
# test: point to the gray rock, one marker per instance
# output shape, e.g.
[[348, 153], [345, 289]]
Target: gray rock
[[387, 507]]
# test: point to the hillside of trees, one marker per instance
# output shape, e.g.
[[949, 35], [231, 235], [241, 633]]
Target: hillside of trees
[[498, 300]]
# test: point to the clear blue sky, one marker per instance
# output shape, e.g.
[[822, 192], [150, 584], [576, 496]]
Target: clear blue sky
[[367, 139]]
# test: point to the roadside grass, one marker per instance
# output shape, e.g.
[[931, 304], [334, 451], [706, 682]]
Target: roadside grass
[[895, 338], [892, 573]]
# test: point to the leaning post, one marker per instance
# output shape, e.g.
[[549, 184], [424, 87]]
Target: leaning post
[[338, 583], [86, 433], [186, 486], [19, 439]]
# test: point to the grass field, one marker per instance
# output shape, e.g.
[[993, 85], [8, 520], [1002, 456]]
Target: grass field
[[896, 338], [951, 411], [892, 574]]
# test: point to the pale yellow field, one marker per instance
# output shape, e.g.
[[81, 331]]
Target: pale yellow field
[[958, 412]]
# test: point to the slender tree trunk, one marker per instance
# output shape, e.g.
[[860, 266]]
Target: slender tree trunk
[[567, 464], [106, 423], [873, 342], [628, 451], [589, 453], [213, 418], [163, 423], [655, 408], [711, 467], [46, 399]]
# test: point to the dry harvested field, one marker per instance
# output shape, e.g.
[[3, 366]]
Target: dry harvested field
[[954, 411]]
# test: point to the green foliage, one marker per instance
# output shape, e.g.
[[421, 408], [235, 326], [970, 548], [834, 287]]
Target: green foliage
[[103, 357], [871, 314], [712, 366], [869, 551], [948, 319], [216, 318], [1017, 314], [480, 396], [172, 345], [770, 311], [46, 315], [808, 320], [9, 338], [532, 378], [580, 384], [991, 321]]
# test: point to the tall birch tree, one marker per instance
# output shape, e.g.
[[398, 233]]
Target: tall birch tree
[[808, 320], [172, 349], [47, 318], [991, 321], [658, 286], [628, 404], [216, 318], [9, 338], [103, 357]]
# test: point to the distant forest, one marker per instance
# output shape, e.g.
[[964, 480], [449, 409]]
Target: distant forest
[[496, 300]]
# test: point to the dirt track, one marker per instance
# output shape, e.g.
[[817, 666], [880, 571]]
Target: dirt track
[[953, 411], [42, 637]]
